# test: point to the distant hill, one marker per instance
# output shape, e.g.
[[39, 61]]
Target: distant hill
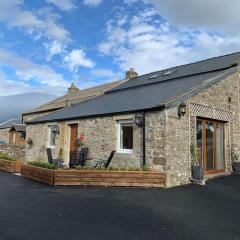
[[13, 106]]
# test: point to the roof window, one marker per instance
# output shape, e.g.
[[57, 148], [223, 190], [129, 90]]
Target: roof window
[[167, 73], [153, 76]]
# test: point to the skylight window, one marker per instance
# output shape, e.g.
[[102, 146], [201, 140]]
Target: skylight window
[[153, 76], [167, 73]]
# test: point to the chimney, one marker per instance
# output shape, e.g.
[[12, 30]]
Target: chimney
[[73, 89], [131, 74]]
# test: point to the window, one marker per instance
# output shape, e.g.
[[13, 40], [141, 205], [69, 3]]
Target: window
[[23, 135], [125, 137], [52, 136]]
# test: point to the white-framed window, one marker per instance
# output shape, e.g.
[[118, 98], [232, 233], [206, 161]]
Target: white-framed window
[[125, 137], [52, 133]]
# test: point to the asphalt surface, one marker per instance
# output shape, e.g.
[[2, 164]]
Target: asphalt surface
[[33, 211]]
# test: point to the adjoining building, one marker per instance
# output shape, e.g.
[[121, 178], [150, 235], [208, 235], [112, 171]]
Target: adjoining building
[[17, 134], [73, 96], [153, 120], [13, 132]]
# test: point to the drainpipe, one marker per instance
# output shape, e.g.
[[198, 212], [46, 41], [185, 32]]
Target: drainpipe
[[144, 141]]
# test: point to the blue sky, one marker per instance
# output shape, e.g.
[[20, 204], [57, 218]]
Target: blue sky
[[45, 45]]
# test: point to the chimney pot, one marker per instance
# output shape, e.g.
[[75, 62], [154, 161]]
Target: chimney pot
[[73, 88], [131, 74]]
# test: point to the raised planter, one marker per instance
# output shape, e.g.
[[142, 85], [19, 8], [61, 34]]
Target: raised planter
[[95, 177], [109, 178], [39, 174], [10, 166]]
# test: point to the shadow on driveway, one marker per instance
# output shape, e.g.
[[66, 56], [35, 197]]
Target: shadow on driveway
[[34, 211]]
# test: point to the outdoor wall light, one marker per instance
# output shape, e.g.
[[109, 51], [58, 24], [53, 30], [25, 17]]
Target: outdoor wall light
[[182, 108], [56, 129], [139, 120], [29, 141]]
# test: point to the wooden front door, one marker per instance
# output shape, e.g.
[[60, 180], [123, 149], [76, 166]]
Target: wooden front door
[[73, 147], [73, 136], [210, 146]]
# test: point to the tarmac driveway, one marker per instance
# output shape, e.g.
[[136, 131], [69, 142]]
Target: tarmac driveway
[[34, 211]]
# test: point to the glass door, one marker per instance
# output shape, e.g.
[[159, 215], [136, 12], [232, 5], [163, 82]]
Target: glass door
[[220, 163], [210, 145]]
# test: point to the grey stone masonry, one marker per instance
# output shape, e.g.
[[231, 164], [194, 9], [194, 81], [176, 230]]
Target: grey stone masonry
[[167, 140]]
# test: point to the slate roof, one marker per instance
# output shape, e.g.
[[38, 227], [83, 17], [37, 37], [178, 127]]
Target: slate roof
[[154, 90], [9, 123], [18, 127], [73, 97]]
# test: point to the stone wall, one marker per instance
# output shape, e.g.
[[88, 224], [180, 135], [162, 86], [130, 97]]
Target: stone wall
[[177, 146], [37, 151], [100, 137], [17, 152], [31, 116], [4, 135], [156, 140]]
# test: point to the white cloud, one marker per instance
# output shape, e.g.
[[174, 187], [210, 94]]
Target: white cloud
[[44, 23], [214, 15], [54, 48], [77, 58], [149, 44], [106, 73], [28, 71], [11, 87], [92, 3], [64, 5], [130, 2]]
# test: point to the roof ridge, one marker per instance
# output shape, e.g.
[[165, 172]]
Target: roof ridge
[[62, 99], [92, 95], [187, 64], [12, 119], [168, 79]]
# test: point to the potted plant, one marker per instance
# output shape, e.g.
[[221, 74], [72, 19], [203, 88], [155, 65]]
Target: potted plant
[[197, 169], [81, 153], [80, 141], [235, 161]]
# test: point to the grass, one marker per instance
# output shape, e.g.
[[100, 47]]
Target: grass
[[6, 157], [42, 165]]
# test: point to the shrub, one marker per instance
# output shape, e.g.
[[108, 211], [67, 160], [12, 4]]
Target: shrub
[[42, 165], [6, 157]]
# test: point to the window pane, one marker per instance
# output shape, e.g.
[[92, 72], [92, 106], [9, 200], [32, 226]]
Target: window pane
[[219, 148], [199, 142], [126, 137], [23, 135], [52, 135], [210, 145]]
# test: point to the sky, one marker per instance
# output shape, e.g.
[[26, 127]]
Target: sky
[[45, 45]]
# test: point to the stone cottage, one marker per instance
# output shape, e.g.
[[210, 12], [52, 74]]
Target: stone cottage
[[73, 96], [8, 134], [152, 120]]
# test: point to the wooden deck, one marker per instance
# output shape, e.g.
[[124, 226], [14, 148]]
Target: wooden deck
[[11, 166], [95, 177]]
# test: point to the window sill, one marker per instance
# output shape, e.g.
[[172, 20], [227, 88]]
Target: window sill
[[52, 147], [127, 152]]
